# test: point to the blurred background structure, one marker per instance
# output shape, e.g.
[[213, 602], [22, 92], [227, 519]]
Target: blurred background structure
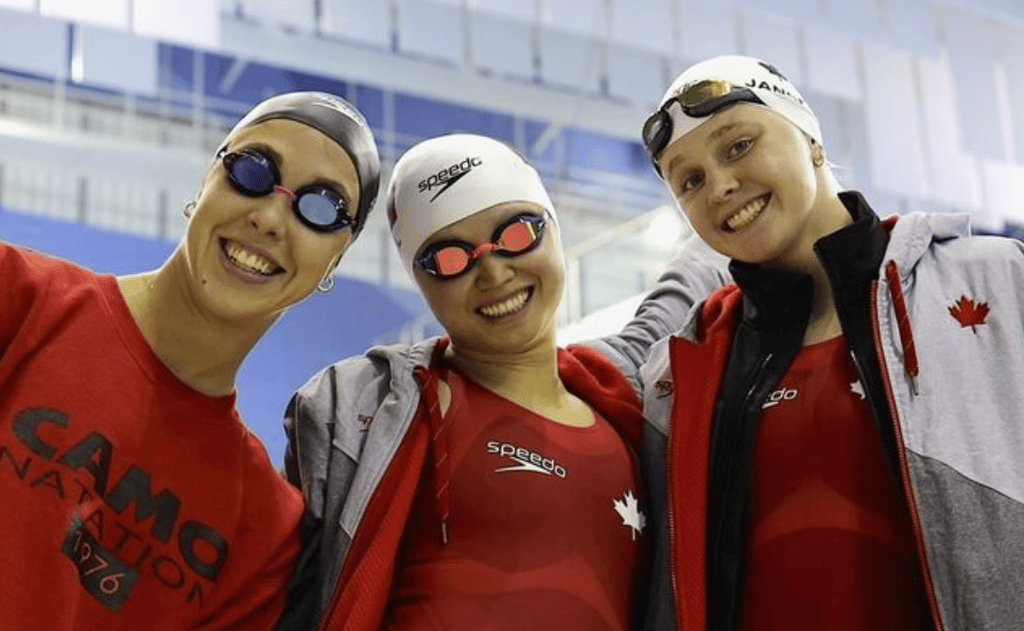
[[110, 110]]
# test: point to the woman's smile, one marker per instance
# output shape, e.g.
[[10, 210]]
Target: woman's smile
[[507, 306], [746, 215]]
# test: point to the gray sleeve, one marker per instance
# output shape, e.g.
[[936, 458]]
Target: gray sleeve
[[689, 278], [320, 460], [323, 423], [309, 424]]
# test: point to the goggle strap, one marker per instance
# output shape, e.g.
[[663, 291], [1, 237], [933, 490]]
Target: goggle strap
[[482, 249], [288, 193]]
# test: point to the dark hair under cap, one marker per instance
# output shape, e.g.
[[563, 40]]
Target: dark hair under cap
[[336, 118]]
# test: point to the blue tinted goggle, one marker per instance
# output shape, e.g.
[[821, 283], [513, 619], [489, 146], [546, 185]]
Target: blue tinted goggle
[[253, 174]]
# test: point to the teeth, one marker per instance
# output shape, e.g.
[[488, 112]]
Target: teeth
[[505, 307], [249, 261], [747, 214]]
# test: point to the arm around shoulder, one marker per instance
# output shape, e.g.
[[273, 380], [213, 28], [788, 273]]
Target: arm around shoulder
[[694, 274]]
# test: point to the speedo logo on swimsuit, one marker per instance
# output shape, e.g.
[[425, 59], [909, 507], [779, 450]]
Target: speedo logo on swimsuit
[[525, 459], [446, 177], [780, 395]]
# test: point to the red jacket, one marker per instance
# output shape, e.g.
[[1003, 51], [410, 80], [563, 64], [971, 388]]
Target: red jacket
[[697, 369], [360, 599]]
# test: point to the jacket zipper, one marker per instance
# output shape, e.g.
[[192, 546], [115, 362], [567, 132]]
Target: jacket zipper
[[757, 379], [321, 625], [336, 592], [744, 409], [668, 488], [325, 617], [748, 400], [671, 517], [915, 519]]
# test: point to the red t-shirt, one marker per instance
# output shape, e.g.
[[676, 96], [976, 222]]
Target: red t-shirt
[[129, 500], [545, 530], [831, 543]]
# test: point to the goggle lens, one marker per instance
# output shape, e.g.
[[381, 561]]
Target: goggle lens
[[254, 174], [448, 260], [697, 100], [657, 131], [321, 206], [703, 91], [451, 260], [517, 237]]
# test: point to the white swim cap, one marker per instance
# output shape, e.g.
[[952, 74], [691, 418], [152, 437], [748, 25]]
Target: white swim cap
[[749, 74], [445, 179]]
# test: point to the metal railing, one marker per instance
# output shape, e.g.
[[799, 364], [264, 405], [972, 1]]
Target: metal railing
[[129, 164]]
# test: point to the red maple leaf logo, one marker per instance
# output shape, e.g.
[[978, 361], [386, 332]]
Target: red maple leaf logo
[[664, 388], [969, 313]]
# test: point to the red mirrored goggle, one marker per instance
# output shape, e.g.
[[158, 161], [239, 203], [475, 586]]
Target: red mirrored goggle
[[449, 259]]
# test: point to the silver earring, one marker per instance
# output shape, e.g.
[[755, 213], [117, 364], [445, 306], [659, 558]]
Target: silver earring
[[325, 285], [189, 207]]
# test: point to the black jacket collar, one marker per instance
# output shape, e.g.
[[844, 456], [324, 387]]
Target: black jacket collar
[[776, 308], [852, 255]]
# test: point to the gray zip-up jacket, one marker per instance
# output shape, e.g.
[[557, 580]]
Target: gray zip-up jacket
[[349, 423], [948, 327]]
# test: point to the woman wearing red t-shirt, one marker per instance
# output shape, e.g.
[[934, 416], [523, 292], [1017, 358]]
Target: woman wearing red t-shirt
[[134, 497]]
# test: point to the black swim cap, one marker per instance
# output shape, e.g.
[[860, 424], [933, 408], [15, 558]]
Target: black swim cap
[[336, 118]]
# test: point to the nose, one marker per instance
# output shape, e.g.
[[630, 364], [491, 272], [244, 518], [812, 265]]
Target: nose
[[271, 213], [722, 184], [492, 270]]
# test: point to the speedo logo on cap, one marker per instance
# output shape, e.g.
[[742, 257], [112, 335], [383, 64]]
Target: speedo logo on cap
[[446, 177], [330, 102]]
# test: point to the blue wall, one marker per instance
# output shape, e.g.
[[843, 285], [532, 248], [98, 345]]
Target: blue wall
[[569, 155], [314, 333]]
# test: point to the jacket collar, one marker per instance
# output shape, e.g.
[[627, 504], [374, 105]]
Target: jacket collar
[[852, 255]]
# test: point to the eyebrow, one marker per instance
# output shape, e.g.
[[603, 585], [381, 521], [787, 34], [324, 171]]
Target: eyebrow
[[721, 131], [711, 139]]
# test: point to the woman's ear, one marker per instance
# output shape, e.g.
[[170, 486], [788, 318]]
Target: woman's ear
[[817, 154], [334, 265]]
